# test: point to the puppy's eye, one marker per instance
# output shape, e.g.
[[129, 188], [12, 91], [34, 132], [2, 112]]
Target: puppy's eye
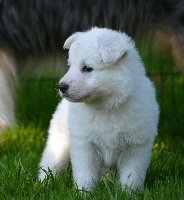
[[87, 69]]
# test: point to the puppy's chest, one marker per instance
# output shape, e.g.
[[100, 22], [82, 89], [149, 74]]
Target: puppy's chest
[[110, 134], [108, 139], [109, 147]]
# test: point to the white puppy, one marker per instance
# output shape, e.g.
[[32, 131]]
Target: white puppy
[[109, 115]]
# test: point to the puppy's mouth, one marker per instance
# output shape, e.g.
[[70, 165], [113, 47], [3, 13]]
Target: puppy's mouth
[[70, 98]]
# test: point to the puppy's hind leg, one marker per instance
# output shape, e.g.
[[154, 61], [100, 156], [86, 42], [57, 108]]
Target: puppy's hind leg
[[8, 80], [56, 155]]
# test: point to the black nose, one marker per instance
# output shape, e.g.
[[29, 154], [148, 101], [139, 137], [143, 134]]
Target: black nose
[[63, 87]]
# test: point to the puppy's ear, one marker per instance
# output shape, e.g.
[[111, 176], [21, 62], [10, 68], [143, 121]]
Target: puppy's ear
[[71, 39], [112, 52]]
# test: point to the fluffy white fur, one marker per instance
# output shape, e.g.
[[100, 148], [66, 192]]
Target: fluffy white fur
[[109, 115]]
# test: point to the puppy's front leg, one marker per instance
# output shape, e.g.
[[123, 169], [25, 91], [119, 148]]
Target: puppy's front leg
[[86, 164], [134, 165]]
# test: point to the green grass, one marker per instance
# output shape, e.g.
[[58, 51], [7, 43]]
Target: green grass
[[21, 147]]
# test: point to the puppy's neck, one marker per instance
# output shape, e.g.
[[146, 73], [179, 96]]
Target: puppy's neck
[[107, 104]]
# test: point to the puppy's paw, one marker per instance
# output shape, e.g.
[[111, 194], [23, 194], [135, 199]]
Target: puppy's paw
[[42, 174]]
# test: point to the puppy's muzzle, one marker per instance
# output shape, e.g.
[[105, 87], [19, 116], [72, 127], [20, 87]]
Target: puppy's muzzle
[[63, 87]]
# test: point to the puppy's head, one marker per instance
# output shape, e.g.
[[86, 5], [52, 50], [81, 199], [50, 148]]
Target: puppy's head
[[101, 62]]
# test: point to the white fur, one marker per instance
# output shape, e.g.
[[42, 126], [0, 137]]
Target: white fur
[[110, 114], [7, 86]]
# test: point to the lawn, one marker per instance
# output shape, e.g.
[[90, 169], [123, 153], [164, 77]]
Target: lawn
[[21, 146]]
